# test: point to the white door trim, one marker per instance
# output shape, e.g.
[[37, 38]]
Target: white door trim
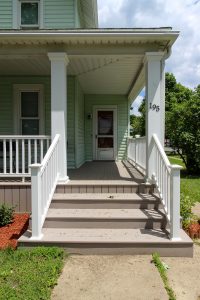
[[96, 108]]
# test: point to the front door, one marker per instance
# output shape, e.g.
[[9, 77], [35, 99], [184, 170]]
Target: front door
[[105, 134]]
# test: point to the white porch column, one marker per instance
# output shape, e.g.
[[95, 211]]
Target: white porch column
[[155, 106], [59, 62]]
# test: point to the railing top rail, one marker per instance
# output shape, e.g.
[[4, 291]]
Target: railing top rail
[[24, 137], [161, 150], [50, 152], [137, 138]]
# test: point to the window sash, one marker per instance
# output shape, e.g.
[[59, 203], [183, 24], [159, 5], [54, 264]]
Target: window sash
[[36, 24]]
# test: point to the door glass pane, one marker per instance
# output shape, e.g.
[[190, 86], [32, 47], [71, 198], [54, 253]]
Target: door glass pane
[[29, 104], [29, 13], [30, 127], [105, 142], [105, 122]]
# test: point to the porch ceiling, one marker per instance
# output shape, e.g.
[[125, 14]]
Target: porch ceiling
[[105, 61], [102, 74]]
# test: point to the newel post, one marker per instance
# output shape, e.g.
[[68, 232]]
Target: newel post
[[36, 201], [175, 202]]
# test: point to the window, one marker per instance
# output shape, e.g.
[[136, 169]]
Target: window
[[28, 113], [29, 119], [28, 14]]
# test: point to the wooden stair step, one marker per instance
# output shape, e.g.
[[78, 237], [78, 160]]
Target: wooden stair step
[[112, 241], [105, 200], [105, 218]]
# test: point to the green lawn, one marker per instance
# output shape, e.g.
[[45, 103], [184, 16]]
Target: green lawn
[[29, 274], [190, 185]]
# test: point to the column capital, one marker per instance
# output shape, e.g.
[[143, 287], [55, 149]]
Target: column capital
[[58, 56], [153, 56]]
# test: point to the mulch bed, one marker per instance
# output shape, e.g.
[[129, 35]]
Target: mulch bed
[[10, 233]]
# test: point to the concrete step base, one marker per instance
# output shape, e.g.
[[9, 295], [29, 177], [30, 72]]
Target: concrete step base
[[112, 241]]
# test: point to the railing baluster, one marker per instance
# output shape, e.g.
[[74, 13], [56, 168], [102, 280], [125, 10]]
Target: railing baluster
[[4, 157], [11, 156], [23, 157], [17, 156]]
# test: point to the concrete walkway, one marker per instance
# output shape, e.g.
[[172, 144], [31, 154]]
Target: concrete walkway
[[184, 275], [109, 278]]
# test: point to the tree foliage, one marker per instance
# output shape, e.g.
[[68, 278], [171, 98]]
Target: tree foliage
[[182, 121]]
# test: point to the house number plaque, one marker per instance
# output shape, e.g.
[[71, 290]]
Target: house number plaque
[[154, 107]]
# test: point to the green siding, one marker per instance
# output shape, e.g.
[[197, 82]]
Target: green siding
[[59, 14], [5, 14], [79, 126], [6, 105], [122, 122]]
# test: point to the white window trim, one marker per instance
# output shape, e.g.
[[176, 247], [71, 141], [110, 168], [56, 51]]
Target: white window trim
[[17, 15], [17, 89]]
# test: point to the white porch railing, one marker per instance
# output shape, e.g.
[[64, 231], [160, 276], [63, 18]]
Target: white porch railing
[[44, 178], [137, 153], [18, 152], [165, 176], [167, 180]]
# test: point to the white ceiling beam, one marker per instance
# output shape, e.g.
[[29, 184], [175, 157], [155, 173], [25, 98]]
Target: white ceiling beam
[[137, 85]]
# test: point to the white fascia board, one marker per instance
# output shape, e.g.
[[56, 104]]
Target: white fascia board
[[125, 35]]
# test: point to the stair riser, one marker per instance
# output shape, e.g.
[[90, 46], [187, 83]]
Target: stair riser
[[99, 189], [118, 249], [102, 204], [96, 189], [118, 224]]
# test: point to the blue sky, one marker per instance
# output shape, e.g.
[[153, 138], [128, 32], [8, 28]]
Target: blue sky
[[182, 15]]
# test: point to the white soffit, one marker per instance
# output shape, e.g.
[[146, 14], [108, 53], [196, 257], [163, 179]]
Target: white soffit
[[98, 74]]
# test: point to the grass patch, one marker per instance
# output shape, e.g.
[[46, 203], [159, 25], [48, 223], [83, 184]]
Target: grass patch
[[189, 184], [29, 274], [163, 273], [176, 160]]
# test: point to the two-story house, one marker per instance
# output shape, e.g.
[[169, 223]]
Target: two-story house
[[66, 88]]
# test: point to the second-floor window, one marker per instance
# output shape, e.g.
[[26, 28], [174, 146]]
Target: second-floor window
[[29, 14]]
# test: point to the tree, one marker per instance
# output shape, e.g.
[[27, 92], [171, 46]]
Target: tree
[[183, 124], [138, 122]]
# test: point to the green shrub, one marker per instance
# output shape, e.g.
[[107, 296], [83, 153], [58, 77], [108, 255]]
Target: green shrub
[[186, 210], [6, 215]]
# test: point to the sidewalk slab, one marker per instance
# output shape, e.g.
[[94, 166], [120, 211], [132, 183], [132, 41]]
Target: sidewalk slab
[[184, 275], [109, 278]]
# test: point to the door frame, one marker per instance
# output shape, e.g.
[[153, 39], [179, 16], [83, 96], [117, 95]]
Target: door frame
[[96, 108]]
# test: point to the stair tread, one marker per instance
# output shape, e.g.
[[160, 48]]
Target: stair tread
[[102, 182], [98, 235], [104, 196], [105, 213]]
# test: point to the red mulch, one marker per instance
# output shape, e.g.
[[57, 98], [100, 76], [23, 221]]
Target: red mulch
[[10, 233]]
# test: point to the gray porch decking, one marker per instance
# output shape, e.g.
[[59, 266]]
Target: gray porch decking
[[105, 172]]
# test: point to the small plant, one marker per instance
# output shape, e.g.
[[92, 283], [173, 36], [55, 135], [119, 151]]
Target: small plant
[[162, 268], [186, 210], [6, 215]]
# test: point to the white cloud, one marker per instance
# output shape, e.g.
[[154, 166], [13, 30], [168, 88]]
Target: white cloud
[[181, 15], [136, 104]]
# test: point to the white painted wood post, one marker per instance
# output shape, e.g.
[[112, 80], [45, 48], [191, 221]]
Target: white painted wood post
[[36, 202], [154, 97], [59, 62], [175, 203]]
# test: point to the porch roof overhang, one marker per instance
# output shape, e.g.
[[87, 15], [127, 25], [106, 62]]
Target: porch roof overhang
[[106, 61]]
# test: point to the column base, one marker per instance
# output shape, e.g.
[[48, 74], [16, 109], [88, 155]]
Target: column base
[[63, 180]]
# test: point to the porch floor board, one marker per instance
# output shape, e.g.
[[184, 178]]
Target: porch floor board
[[121, 172]]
